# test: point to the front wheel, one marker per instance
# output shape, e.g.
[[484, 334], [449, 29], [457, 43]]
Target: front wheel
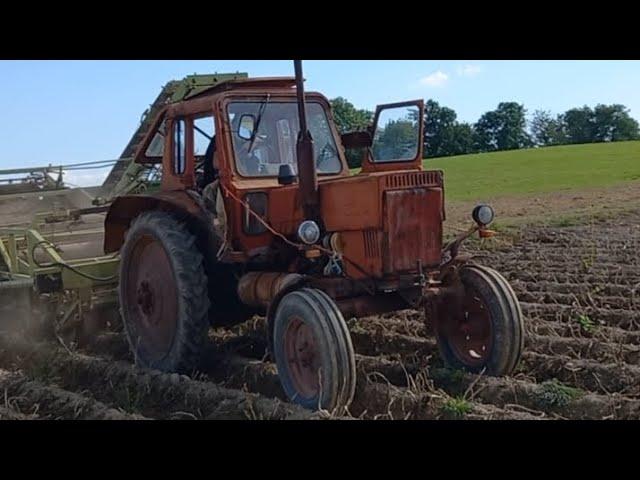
[[482, 330], [313, 351]]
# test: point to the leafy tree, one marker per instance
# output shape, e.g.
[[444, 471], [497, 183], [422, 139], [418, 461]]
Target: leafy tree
[[612, 123], [396, 140], [503, 128], [578, 125], [462, 139], [443, 134], [545, 129], [438, 125], [350, 119]]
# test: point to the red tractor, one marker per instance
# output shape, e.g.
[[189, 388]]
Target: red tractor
[[259, 214]]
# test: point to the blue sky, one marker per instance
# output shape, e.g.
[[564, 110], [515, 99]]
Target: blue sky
[[74, 111]]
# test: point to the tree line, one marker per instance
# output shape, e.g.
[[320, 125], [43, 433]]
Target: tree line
[[505, 128]]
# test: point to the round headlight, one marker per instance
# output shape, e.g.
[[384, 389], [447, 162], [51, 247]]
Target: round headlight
[[483, 214], [309, 232]]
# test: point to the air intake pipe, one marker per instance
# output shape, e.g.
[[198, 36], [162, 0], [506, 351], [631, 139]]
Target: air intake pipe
[[308, 178]]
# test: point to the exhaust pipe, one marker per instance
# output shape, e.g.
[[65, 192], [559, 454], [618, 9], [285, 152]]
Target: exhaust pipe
[[308, 178]]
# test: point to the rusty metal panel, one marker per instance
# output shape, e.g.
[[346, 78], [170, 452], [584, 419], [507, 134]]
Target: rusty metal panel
[[285, 209], [358, 247], [413, 229], [350, 204]]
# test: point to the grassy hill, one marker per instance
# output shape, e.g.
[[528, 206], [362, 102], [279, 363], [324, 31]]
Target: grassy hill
[[567, 167]]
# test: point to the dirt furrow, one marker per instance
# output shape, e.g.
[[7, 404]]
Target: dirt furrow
[[412, 328], [152, 393], [373, 343], [7, 413], [608, 258], [585, 374], [546, 269], [586, 299], [551, 396], [51, 402], [379, 401], [577, 288], [566, 277], [582, 373], [538, 326], [613, 317], [593, 349]]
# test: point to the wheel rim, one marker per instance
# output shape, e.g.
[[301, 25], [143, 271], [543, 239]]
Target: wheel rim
[[471, 337], [151, 296], [302, 357]]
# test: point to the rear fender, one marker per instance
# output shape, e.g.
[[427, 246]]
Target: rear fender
[[181, 204]]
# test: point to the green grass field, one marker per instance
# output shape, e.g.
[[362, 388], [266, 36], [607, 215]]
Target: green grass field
[[569, 167]]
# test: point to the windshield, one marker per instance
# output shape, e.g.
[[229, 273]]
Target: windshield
[[273, 142]]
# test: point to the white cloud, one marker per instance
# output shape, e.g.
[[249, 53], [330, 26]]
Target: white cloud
[[469, 70], [436, 79]]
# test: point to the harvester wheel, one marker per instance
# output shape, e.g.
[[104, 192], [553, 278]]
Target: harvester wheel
[[313, 351], [485, 332], [163, 294]]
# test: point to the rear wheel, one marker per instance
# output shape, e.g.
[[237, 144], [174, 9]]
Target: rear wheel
[[484, 329], [313, 351], [163, 294]]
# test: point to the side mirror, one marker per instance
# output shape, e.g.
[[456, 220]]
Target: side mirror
[[246, 126], [355, 140]]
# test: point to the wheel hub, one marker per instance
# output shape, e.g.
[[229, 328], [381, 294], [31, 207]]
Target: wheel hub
[[303, 358], [151, 298], [471, 337], [145, 298]]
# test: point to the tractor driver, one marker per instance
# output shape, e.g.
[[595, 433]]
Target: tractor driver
[[248, 161], [210, 163]]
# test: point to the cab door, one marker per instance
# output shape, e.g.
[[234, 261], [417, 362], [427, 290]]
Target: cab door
[[397, 137]]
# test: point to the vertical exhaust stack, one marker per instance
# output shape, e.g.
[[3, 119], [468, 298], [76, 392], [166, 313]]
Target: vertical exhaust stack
[[304, 149]]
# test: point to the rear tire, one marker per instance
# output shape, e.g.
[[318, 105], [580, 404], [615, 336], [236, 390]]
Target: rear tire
[[487, 332], [163, 294], [313, 351]]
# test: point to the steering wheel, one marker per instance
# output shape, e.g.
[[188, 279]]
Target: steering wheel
[[250, 159]]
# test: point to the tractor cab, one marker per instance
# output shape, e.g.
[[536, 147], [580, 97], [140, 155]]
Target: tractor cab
[[236, 146]]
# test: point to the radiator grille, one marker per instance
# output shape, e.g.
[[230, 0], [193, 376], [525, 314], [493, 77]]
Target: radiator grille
[[415, 179], [371, 244]]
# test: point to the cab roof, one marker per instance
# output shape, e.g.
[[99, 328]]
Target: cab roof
[[245, 83]]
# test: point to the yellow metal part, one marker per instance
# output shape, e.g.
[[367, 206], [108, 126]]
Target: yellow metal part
[[485, 233]]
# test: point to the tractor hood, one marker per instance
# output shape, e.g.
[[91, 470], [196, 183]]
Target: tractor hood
[[389, 223]]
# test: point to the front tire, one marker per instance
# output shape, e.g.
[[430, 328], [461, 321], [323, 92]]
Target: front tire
[[163, 294], [313, 351], [483, 330]]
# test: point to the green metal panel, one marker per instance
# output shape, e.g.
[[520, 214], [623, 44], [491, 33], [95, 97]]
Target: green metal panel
[[100, 267], [5, 261], [194, 84]]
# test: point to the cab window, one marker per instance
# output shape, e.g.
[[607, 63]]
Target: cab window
[[179, 146], [156, 146], [397, 134]]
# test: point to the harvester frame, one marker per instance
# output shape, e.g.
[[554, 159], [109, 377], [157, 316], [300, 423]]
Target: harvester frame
[[71, 298]]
